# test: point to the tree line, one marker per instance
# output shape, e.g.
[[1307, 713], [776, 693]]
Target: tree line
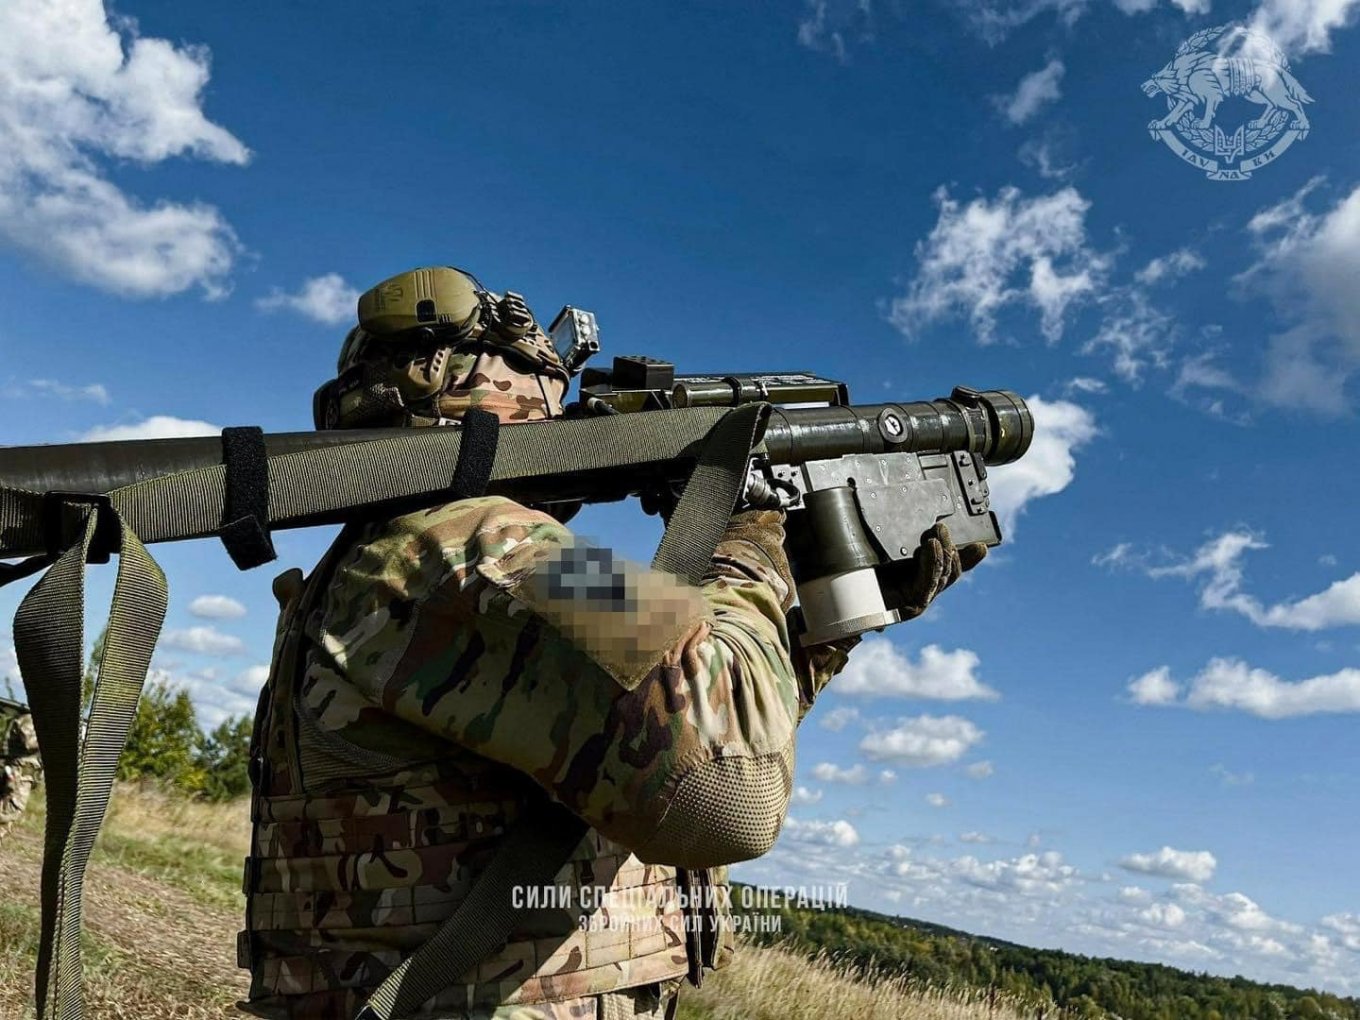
[[1055, 984]]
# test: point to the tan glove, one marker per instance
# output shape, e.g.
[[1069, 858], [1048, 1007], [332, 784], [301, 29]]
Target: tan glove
[[912, 585]]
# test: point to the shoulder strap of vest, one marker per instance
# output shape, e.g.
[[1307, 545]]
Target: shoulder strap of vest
[[77, 528]]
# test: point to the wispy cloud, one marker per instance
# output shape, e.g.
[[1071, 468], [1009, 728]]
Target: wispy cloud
[[203, 641], [1034, 91], [1303, 26], [1308, 263], [1218, 565], [93, 393], [326, 299], [78, 94], [988, 255], [829, 26]]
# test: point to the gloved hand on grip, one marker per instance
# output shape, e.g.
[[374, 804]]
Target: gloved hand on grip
[[912, 585]]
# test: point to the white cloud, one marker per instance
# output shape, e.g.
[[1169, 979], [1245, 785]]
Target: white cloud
[[983, 257], [937, 800], [1060, 429], [1163, 915], [1135, 894], [923, 741], [1085, 384], [77, 94], [326, 299], [878, 668], [1302, 26], [1230, 778], [1347, 926], [1154, 688], [1046, 155], [1042, 874], [839, 718], [1219, 562], [1034, 90], [826, 25], [9, 664], [217, 607], [887, 776], [829, 773], [203, 641], [1170, 267], [1232, 684], [1195, 865], [803, 795], [974, 837], [980, 770], [159, 426], [1136, 332], [94, 393], [1308, 263], [995, 19], [249, 681], [838, 833], [215, 698]]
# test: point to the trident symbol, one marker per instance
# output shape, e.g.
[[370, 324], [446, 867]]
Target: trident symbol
[[1230, 148]]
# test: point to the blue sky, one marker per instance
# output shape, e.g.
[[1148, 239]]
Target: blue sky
[[1131, 731]]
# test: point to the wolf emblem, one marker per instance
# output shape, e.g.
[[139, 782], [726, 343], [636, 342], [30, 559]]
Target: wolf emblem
[[1229, 61]]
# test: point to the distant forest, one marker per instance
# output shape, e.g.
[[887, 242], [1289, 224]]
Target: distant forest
[[1057, 985]]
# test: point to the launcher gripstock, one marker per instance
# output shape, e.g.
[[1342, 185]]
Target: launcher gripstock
[[861, 484]]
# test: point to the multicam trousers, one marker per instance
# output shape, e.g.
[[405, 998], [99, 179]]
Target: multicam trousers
[[20, 767]]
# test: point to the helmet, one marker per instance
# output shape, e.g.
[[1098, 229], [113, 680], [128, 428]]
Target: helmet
[[432, 343]]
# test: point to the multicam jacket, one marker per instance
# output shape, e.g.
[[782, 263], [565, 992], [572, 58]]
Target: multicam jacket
[[453, 669]]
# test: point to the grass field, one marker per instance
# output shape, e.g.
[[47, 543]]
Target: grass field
[[163, 905]]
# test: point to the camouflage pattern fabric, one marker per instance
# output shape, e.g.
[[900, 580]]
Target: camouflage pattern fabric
[[20, 765], [438, 691], [495, 381]]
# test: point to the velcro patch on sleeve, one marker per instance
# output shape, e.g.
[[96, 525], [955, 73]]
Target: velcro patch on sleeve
[[624, 616]]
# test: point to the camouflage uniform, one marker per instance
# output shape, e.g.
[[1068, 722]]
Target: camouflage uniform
[[20, 765], [461, 666]]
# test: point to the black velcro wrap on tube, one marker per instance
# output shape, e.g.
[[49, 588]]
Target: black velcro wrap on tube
[[476, 454], [245, 512]]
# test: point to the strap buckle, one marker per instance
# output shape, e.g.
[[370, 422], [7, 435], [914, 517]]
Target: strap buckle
[[108, 538]]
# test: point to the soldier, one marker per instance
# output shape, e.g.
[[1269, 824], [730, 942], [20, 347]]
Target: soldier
[[20, 766], [442, 674]]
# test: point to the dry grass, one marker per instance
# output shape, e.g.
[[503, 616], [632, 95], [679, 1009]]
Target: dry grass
[[163, 905], [776, 984], [161, 914]]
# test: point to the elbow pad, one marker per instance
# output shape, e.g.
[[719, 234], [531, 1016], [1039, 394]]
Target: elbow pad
[[724, 810]]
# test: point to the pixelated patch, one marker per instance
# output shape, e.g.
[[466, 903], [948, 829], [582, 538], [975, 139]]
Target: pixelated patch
[[587, 575], [622, 615]]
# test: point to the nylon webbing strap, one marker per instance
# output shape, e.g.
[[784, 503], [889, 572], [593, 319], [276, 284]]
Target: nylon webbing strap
[[245, 514], [536, 849], [189, 504], [49, 643]]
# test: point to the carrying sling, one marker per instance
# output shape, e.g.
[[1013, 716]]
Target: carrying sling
[[238, 501]]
